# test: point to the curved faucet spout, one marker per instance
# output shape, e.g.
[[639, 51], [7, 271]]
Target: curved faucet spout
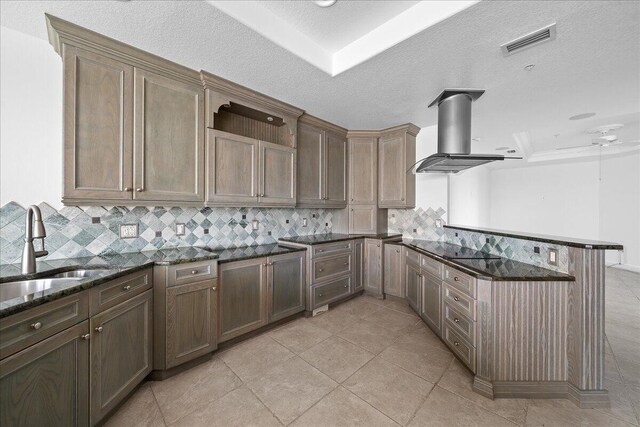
[[29, 254]]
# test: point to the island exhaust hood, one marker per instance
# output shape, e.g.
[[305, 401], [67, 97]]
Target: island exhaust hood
[[454, 135]]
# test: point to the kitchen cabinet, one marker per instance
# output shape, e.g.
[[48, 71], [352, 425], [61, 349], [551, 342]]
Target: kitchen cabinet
[[393, 270], [363, 170], [373, 266], [243, 171], [322, 164], [120, 352], [286, 279], [242, 296], [431, 301], [413, 285], [358, 265], [396, 156], [47, 383]]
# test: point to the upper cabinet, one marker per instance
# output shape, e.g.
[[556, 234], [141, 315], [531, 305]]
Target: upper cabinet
[[363, 170], [322, 164], [396, 156]]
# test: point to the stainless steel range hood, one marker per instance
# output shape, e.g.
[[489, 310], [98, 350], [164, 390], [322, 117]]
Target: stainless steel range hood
[[454, 134]]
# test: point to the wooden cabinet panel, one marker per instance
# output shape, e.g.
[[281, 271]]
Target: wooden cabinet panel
[[168, 139], [119, 290], [328, 267], [286, 278], [46, 384], [412, 285], [232, 169], [363, 171], [393, 270], [311, 158], [98, 120], [373, 266], [431, 301], [358, 266], [241, 298], [396, 156], [329, 292], [121, 352], [190, 321], [363, 219], [336, 170], [277, 175]]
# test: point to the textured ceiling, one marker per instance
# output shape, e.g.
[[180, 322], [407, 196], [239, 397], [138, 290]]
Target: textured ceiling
[[592, 66]]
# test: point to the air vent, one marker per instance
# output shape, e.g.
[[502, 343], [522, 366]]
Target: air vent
[[540, 36]]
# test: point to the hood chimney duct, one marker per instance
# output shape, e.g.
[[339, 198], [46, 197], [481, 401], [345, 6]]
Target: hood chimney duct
[[454, 124]]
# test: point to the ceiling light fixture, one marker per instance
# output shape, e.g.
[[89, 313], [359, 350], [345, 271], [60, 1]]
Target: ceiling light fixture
[[325, 3], [529, 67], [269, 119], [582, 116]]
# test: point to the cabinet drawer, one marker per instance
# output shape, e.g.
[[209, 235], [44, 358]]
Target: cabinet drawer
[[461, 324], [432, 266], [412, 256], [119, 290], [465, 351], [182, 274], [460, 301], [325, 268], [331, 249], [29, 327], [463, 282], [330, 292]]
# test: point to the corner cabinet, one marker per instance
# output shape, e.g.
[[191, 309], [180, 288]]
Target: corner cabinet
[[322, 164], [396, 156]]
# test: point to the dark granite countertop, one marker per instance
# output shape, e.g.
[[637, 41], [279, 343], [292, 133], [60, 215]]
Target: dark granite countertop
[[318, 239], [123, 264], [565, 241], [489, 268]]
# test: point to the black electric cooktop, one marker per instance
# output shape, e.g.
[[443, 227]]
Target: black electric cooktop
[[449, 251]]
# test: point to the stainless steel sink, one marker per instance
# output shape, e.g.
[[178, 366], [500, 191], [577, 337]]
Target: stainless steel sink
[[26, 288], [82, 273]]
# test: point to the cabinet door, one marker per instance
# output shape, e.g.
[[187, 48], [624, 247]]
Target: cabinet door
[[277, 175], [363, 171], [336, 170], [358, 282], [431, 301], [168, 139], [311, 158], [392, 181], [232, 169], [242, 297], [412, 285], [47, 383], [373, 266], [98, 132], [121, 352], [363, 219], [286, 279], [190, 321], [393, 271]]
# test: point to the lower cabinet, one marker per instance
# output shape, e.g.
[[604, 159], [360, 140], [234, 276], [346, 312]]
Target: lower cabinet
[[358, 265], [286, 278], [373, 266], [430, 307], [47, 383], [413, 283], [120, 352], [393, 271]]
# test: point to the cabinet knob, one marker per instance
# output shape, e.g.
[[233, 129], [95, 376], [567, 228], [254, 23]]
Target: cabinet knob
[[456, 343], [402, 200], [257, 195], [213, 288], [128, 189], [456, 299], [85, 337], [261, 194], [456, 279], [319, 295], [321, 269], [126, 288], [352, 199], [346, 263], [139, 189], [36, 325], [456, 320], [194, 271], [345, 286], [98, 329]]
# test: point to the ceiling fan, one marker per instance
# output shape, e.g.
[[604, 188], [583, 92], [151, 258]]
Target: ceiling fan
[[603, 138]]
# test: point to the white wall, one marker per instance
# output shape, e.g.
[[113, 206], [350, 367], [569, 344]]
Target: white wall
[[431, 189], [30, 120], [470, 197]]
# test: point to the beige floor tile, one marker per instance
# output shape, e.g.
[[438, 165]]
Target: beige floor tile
[[394, 320], [360, 307], [633, 393], [370, 336], [422, 333], [140, 410], [611, 372], [238, 408], [620, 402], [401, 306], [300, 335], [443, 408], [289, 389], [182, 394], [459, 380], [562, 413], [419, 358], [630, 371], [625, 349], [334, 320], [251, 358], [342, 408], [337, 358], [390, 389], [629, 331]]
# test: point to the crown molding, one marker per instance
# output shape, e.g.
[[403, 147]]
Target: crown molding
[[315, 121], [409, 128], [363, 134]]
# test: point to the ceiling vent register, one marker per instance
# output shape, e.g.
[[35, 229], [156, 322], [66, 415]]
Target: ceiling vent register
[[542, 35]]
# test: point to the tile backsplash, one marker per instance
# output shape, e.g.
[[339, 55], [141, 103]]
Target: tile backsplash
[[78, 231], [417, 223]]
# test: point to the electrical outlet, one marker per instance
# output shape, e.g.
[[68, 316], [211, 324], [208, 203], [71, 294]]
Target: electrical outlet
[[304, 222], [179, 229], [128, 231], [438, 223], [536, 249], [255, 224], [553, 256]]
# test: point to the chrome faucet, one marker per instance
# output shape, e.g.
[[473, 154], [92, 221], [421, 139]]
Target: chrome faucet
[[29, 255]]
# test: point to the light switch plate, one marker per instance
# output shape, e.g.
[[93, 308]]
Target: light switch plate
[[438, 223], [553, 256], [179, 229], [304, 222], [128, 231]]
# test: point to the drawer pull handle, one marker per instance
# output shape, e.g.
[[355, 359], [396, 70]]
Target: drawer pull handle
[[456, 343], [456, 279], [85, 337], [456, 320], [456, 299], [320, 250], [127, 189], [139, 189], [321, 269], [36, 325], [213, 288], [126, 288], [99, 329], [346, 263], [345, 286], [319, 295], [194, 271]]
